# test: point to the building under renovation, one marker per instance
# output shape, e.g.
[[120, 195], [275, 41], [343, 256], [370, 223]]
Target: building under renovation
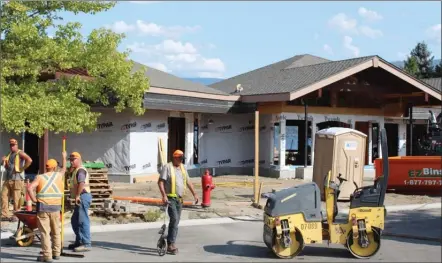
[[215, 125]]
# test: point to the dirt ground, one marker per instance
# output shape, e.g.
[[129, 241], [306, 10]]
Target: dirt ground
[[232, 195]]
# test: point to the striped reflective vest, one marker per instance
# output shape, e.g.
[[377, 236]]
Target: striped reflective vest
[[16, 161], [173, 180], [74, 182], [50, 188]]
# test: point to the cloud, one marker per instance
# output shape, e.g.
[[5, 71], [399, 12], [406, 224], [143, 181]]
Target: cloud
[[343, 23], [434, 33], [328, 49], [151, 29], [177, 56], [370, 32], [369, 15], [348, 45]]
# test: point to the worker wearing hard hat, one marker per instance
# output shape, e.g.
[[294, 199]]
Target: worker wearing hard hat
[[172, 183], [50, 190], [14, 182], [81, 192]]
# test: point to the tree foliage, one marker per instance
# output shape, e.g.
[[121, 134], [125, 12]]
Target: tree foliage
[[411, 66], [30, 102], [424, 60], [438, 70]]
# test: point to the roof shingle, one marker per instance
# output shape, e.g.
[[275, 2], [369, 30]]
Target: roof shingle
[[160, 79], [288, 75], [434, 82]]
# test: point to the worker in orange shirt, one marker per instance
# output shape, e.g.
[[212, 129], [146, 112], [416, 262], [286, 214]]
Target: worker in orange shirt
[[13, 186], [50, 190]]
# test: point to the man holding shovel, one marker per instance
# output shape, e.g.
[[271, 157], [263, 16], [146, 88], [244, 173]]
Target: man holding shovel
[[50, 187], [14, 182], [81, 192]]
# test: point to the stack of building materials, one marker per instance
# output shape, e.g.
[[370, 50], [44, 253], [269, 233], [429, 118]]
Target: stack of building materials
[[99, 184], [114, 208]]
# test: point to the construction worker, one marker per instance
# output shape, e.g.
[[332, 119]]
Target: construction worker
[[172, 183], [81, 192], [14, 182], [50, 190]]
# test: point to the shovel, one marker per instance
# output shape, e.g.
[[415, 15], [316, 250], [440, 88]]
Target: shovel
[[64, 254]]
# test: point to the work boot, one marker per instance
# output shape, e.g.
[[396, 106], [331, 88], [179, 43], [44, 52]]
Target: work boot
[[56, 257], [82, 249], [42, 259], [73, 246], [172, 249]]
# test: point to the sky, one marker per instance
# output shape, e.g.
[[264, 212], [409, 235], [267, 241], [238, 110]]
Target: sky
[[224, 39]]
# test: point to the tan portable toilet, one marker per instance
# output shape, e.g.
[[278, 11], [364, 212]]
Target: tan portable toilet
[[341, 150]]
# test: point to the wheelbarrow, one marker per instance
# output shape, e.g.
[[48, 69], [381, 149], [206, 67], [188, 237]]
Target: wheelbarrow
[[27, 228]]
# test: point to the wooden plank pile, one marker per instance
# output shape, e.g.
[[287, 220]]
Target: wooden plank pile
[[100, 188]]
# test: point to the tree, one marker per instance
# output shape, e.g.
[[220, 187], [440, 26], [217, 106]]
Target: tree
[[438, 70], [28, 54], [424, 60], [411, 66]]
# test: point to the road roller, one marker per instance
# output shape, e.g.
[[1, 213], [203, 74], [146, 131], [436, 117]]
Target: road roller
[[293, 216]]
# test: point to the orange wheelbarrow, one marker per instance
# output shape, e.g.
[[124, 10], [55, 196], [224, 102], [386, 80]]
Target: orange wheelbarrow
[[27, 228]]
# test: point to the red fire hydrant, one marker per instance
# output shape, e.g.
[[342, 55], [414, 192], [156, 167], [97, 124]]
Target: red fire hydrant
[[208, 186]]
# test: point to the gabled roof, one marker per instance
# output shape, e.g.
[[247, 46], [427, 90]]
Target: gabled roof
[[160, 79], [287, 75], [264, 74], [434, 82]]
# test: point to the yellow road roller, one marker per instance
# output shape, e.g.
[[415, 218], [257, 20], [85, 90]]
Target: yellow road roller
[[293, 217]]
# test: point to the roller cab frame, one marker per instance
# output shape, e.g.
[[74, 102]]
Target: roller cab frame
[[293, 217]]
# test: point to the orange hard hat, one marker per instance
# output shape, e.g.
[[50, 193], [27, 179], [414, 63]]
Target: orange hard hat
[[51, 163], [178, 153], [75, 155]]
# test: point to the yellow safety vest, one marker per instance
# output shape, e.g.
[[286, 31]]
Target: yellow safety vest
[[74, 182], [173, 180], [50, 188], [16, 161]]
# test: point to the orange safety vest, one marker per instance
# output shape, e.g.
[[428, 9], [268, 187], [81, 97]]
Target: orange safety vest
[[16, 161], [50, 188], [74, 182]]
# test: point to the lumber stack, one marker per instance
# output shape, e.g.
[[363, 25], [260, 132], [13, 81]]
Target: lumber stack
[[100, 188]]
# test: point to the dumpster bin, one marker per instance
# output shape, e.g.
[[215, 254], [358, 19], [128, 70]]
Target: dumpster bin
[[341, 150]]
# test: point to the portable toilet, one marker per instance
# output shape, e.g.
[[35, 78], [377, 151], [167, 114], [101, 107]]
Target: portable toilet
[[341, 150]]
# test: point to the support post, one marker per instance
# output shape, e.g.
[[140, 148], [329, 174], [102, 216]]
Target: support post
[[256, 190], [410, 117], [306, 135], [43, 151]]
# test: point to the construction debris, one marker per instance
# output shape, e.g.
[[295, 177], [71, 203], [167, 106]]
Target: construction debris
[[124, 208]]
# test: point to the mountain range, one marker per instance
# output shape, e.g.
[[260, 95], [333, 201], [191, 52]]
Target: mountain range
[[209, 81]]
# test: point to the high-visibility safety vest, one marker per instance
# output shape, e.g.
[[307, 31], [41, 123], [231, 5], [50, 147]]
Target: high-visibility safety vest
[[173, 180], [16, 161], [74, 182], [50, 188]]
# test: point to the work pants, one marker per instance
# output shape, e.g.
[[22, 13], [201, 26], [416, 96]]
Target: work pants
[[80, 221], [174, 211], [14, 189], [49, 226]]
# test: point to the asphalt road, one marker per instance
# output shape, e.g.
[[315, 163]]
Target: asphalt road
[[242, 241]]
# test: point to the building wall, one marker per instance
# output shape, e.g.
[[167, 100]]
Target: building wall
[[228, 144]]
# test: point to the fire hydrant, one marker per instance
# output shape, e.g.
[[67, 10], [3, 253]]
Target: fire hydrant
[[208, 186]]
